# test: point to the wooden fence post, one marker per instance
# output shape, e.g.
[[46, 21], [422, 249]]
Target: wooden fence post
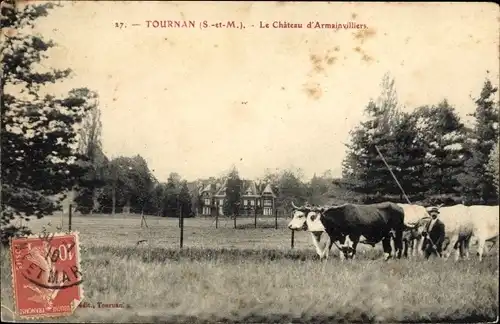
[[179, 208], [69, 221], [143, 219], [293, 239], [255, 218], [276, 219], [217, 220], [234, 219], [181, 223]]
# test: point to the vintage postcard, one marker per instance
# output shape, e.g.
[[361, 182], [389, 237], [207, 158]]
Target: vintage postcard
[[249, 162]]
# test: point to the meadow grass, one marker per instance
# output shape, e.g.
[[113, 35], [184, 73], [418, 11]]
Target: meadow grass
[[252, 275]]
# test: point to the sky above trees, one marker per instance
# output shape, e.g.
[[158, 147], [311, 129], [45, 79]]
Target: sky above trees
[[197, 101]]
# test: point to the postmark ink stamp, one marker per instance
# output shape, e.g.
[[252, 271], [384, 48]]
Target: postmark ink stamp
[[46, 275]]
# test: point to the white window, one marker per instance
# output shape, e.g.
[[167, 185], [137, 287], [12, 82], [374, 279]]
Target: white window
[[206, 210], [258, 202], [268, 202], [245, 202], [207, 201], [252, 202], [221, 202], [268, 211]]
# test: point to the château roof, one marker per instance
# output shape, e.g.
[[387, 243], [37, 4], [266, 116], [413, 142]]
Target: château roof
[[268, 191], [221, 192], [249, 188]]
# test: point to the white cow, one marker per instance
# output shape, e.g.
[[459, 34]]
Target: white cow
[[485, 222], [463, 224], [458, 228], [411, 238]]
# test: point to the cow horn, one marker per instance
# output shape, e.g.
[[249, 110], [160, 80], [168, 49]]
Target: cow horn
[[293, 205]]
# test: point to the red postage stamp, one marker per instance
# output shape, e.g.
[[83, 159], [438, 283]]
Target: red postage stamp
[[46, 275]]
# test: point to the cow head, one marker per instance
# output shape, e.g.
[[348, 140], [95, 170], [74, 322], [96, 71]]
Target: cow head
[[313, 220], [306, 218], [421, 225], [299, 217]]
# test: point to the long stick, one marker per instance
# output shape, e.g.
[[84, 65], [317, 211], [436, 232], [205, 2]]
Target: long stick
[[401, 188], [395, 179]]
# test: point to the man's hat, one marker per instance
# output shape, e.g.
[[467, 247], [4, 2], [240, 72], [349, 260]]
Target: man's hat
[[433, 210]]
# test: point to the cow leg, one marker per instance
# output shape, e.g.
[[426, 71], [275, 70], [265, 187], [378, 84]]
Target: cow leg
[[354, 246], [341, 255], [480, 248], [406, 244], [342, 243], [461, 249], [386, 245], [328, 247], [420, 247], [316, 236], [446, 247], [349, 247], [464, 248], [456, 246], [413, 246], [398, 242]]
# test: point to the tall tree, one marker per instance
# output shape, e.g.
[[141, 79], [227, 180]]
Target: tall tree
[[90, 146], [128, 182], [116, 192], [443, 135], [363, 168], [172, 194], [157, 199], [185, 200], [291, 189], [233, 193], [494, 167], [142, 184], [478, 184], [38, 132], [409, 154]]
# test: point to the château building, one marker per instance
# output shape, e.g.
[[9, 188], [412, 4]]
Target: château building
[[256, 199]]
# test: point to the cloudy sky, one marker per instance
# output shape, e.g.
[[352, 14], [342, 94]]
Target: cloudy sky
[[195, 101]]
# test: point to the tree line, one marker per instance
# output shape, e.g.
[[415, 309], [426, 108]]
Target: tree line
[[437, 158]]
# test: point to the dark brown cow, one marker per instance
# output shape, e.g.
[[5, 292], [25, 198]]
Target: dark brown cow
[[375, 222]]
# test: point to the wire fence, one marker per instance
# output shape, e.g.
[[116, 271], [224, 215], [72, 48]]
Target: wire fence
[[278, 220]]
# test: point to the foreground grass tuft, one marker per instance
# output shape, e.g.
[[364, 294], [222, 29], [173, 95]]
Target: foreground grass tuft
[[252, 276], [231, 285]]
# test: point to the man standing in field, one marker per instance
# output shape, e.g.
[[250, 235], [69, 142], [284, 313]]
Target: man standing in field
[[434, 234]]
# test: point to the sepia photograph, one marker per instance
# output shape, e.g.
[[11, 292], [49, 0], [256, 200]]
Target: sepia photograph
[[249, 162]]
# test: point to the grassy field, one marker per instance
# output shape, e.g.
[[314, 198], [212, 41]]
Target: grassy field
[[252, 275]]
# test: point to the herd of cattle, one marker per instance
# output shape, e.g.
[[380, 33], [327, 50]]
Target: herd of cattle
[[406, 226]]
